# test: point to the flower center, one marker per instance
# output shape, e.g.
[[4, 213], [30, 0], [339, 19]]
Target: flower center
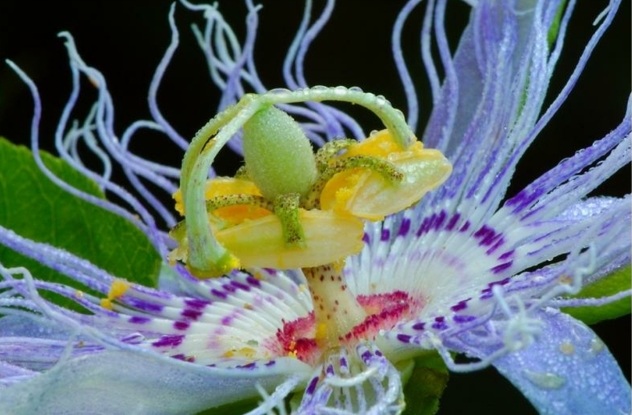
[[341, 318]]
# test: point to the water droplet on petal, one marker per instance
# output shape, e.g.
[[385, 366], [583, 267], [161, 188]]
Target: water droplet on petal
[[545, 380], [567, 348], [596, 345]]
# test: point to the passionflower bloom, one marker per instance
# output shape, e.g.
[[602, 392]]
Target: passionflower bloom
[[319, 282]]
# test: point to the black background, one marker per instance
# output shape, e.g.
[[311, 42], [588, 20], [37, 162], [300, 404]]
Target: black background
[[125, 40]]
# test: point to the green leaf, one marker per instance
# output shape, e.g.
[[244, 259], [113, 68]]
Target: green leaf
[[234, 408], [35, 208], [614, 283], [428, 379]]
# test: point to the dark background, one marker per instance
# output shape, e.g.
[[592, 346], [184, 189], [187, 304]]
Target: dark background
[[126, 40]]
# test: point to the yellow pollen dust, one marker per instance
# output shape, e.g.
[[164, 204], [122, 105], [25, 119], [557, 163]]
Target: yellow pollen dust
[[117, 290], [247, 352]]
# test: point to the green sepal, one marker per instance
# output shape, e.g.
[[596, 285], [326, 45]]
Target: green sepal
[[425, 378], [614, 283], [34, 207], [279, 157]]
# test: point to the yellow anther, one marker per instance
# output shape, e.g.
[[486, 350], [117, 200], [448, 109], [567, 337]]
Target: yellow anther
[[106, 303], [118, 288], [366, 194]]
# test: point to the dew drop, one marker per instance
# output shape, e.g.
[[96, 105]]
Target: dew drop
[[567, 348], [545, 380], [596, 345], [340, 90]]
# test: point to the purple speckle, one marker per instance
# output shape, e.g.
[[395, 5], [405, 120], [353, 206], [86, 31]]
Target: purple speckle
[[270, 363], [459, 318], [144, 305], [181, 325], [386, 235], [229, 287], [506, 255], [461, 305], [404, 227], [253, 281], [169, 341], [227, 320], [465, 227], [499, 242], [251, 365], [438, 221], [343, 362], [423, 228], [240, 286], [196, 303], [404, 338], [329, 370], [452, 222], [378, 353], [366, 238], [218, 293], [183, 357], [366, 355], [502, 267], [191, 314], [419, 326], [139, 320], [439, 323], [311, 388]]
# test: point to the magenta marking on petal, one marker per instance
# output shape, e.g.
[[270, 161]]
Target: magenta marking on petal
[[378, 353], [465, 227], [404, 227], [311, 388], [169, 341], [459, 318], [343, 362], [386, 235], [227, 320], [250, 365], [196, 303], [253, 281], [270, 363], [366, 356], [139, 320], [366, 238], [404, 338], [329, 370], [502, 267], [180, 325], [419, 326]]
